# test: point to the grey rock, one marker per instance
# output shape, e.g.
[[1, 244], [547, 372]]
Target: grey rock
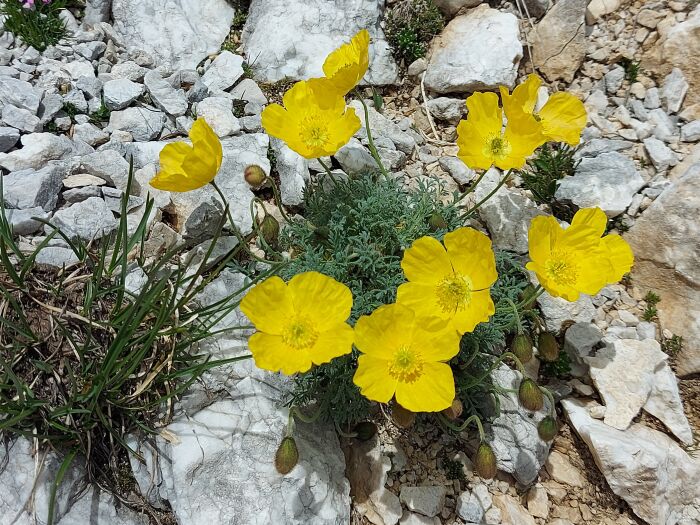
[[80, 194], [128, 70], [537, 8], [143, 123], [170, 100], [580, 342], [457, 169], [113, 198], [8, 138], [614, 79], [382, 127], [109, 165], [86, 220], [355, 159], [76, 98], [20, 94], [647, 469], [96, 11], [176, 33], [198, 92], [446, 108], [23, 222], [689, 132], [673, 90], [652, 99], [427, 500], [90, 134], [251, 124], [91, 50], [557, 310], [417, 67], [411, 518], [224, 71], [50, 105], [78, 68], [21, 119], [472, 505], [646, 330], [248, 90], [664, 126], [662, 157], [665, 403], [451, 7], [595, 147], [121, 92], [476, 51], [516, 443], [608, 181], [293, 170], [90, 86], [218, 112], [299, 45], [27, 189], [507, 213]]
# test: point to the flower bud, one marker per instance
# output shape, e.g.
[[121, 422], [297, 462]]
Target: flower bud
[[528, 291], [547, 347], [437, 222], [365, 430], [270, 230], [287, 455], [454, 411], [530, 395], [485, 461], [547, 428], [402, 418], [522, 347], [254, 175]]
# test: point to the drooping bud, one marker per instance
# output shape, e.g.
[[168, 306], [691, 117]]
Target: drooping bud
[[437, 222], [287, 455], [522, 347], [530, 395], [528, 291], [254, 175], [547, 347], [454, 411], [402, 417], [270, 230], [485, 461], [365, 430], [547, 428]]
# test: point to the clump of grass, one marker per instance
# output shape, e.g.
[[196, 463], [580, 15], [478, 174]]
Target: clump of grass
[[650, 312], [561, 368], [673, 345], [546, 169], [39, 26], [410, 25], [84, 362], [100, 115], [632, 69], [454, 470], [70, 109]]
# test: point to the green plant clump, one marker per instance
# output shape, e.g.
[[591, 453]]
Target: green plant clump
[[410, 25], [39, 26], [546, 169]]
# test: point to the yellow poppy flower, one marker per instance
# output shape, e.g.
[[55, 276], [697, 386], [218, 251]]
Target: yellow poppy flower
[[299, 323], [346, 66], [577, 260], [314, 121], [405, 355], [482, 141], [184, 167], [452, 281], [562, 118]]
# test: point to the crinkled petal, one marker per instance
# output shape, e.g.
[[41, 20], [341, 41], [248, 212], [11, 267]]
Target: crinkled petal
[[276, 121], [346, 66], [334, 342], [373, 379], [563, 118], [543, 235], [479, 309], [321, 299], [472, 144], [591, 276], [619, 256], [437, 339], [422, 299], [383, 331], [342, 129], [426, 261], [268, 305], [592, 217], [485, 113], [471, 254], [271, 353], [523, 98], [524, 136], [432, 392], [204, 138]]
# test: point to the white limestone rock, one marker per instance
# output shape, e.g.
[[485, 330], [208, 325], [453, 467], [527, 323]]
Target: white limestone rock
[[121, 92], [218, 112], [37, 149], [223, 72], [86, 220], [293, 170], [142, 122], [164, 96]]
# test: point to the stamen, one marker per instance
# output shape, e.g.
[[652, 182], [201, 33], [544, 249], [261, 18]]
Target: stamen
[[300, 334], [454, 293], [407, 365], [562, 268]]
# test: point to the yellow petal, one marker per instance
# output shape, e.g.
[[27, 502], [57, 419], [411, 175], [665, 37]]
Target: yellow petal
[[618, 255], [373, 379], [523, 99], [437, 339], [472, 146], [593, 218], [479, 309], [485, 113], [203, 137], [341, 131], [563, 118], [432, 392], [346, 66], [268, 305], [384, 330], [471, 254], [275, 121], [524, 136], [334, 342], [422, 299], [321, 299], [271, 353], [543, 235], [426, 261]]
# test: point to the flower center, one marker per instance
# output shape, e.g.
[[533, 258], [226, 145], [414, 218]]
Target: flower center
[[454, 293], [562, 268], [300, 334], [497, 147], [407, 365], [314, 132]]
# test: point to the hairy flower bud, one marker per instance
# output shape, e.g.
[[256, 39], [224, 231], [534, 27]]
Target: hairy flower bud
[[530, 395], [365, 430], [522, 347], [254, 175], [287, 455], [402, 417], [485, 461], [453, 411], [547, 347], [547, 428], [270, 230], [437, 222]]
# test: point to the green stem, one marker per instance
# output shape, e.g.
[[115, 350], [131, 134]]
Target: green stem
[[472, 187], [328, 172], [518, 324], [471, 211], [498, 361], [534, 295], [278, 199], [370, 140], [256, 228], [546, 392], [459, 428]]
